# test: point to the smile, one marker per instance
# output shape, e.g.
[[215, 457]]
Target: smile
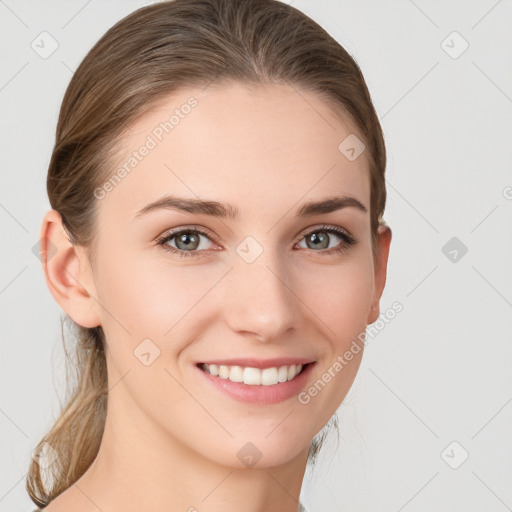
[[254, 376]]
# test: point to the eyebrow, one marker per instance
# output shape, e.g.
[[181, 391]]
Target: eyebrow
[[222, 210]]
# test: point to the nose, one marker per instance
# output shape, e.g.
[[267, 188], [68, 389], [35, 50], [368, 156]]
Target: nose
[[259, 299]]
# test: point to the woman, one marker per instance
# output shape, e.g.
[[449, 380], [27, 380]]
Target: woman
[[216, 238]]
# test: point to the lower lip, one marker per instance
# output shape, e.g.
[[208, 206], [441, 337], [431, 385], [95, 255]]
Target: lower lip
[[260, 395]]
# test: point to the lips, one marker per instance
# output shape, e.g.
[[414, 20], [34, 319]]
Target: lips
[[259, 382]]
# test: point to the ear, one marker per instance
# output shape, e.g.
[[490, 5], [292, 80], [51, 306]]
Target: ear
[[380, 268], [68, 273]]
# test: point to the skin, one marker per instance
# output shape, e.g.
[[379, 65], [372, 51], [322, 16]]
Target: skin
[[171, 439]]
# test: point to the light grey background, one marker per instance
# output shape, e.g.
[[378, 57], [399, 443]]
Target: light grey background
[[440, 371]]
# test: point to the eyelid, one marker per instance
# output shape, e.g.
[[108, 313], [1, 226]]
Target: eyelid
[[327, 227], [201, 230]]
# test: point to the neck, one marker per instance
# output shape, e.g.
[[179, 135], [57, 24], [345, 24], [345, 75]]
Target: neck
[[139, 466]]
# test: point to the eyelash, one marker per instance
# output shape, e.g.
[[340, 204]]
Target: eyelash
[[348, 240]]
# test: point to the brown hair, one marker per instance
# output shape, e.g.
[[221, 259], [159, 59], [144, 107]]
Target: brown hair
[[139, 61]]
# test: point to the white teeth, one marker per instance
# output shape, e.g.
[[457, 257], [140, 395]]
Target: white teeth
[[282, 375], [269, 376], [236, 374], [254, 376]]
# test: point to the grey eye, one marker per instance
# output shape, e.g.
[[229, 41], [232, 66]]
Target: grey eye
[[319, 239]]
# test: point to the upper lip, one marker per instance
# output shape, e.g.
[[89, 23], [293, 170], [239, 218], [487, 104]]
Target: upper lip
[[259, 363]]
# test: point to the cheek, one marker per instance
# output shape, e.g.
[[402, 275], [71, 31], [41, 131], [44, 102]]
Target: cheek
[[150, 297], [152, 308], [340, 297], [341, 300]]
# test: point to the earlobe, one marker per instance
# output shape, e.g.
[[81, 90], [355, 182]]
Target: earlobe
[[67, 272], [381, 264]]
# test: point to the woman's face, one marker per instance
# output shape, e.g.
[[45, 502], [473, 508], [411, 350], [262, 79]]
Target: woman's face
[[262, 284]]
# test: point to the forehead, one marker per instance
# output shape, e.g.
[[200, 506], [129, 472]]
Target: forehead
[[263, 149]]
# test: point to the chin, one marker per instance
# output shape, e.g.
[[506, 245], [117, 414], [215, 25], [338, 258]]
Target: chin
[[258, 451]]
